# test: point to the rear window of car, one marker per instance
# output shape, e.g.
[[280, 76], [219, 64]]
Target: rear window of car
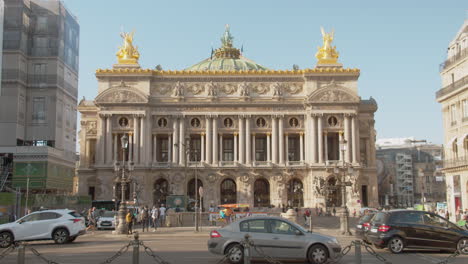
[[255, 226], [366, 217], [74, 214], [379, 218]]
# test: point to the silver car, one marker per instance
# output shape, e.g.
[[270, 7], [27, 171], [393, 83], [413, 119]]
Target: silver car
[[275, 237]]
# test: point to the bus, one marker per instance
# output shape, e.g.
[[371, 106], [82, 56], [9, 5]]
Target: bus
[[107, 205]]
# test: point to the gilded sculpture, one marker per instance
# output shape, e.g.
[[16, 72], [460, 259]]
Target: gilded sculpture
[[327, 54], [128, 54]]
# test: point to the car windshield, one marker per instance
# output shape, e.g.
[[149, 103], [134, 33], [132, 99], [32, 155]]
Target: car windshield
[[366, 218], [109, 214]]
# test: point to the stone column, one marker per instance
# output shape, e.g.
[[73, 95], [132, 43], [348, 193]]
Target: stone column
[[215, 142], [109, 139], [301, 143], [313, 139], [253, 148], [130, 146], [235, 147], [281, 140], [274, 151], [182, 142], [142, 143], [208, 141], [347, 137], [325, 137], [155, 148], [116, 137], [248, 144], [354, 136], [268, 146], [241, 140], [169, 148], [287, 147], [202, 139], [136, 139], [175, 140], [148, 138], [320, 139], [88, 152], [101, 137], [221, 147]]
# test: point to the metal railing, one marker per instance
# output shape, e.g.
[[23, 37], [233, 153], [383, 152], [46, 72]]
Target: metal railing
[[452, 87], [453, 163], [453, 59]]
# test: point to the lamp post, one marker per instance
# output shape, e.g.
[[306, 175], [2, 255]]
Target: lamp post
[[122, 227], [346, 168], [188, 154]]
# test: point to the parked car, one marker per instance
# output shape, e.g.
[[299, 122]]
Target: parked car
[[106, 220], [400, 229], [278, 237], [363, 226], [62, 226]]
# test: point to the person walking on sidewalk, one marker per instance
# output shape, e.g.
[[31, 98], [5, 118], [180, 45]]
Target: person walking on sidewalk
[[129, 221], [145, 219], [155, 217], [162, 215], [307, 216]]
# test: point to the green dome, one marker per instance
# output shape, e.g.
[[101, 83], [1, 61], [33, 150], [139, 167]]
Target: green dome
[[226, 58], [227, 64]]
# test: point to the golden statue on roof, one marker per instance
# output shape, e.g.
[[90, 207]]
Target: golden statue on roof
[[128, 54], [327, 54]]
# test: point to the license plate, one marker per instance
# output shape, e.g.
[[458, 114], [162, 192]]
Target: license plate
[[359, 226], [374, 230], [105, 224]]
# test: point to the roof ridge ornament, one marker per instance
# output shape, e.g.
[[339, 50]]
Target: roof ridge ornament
[[327, 55], [227, 38], [227, 49], [128, 54]]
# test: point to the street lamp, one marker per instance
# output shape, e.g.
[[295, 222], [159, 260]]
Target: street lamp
[[122, 227], [188, 154], [342, 171]]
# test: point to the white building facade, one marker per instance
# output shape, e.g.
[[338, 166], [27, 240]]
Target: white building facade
[[267, 138]]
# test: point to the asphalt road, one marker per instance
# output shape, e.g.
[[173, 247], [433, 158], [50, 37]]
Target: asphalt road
[[175, 246]]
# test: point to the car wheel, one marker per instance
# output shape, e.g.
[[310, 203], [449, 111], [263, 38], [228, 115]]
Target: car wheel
[[462, 246], [6, 239], [236, 255], [317, 254], [61, 236], [396, 245]]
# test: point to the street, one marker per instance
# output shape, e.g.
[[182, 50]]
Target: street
[[183, 245]]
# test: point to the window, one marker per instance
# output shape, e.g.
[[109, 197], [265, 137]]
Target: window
[[434, 220], [332, 121], [40, 72], [38, 109], [260, 148], [195, 122], [465, 108], [261, 122], [123, 122], [48, 216], [453, 114], [294, 148], [228, 122], [30, 218], [254, 226], [282, 228], [41, 23], [195, 147], [293, 122], [163, 146], [228, 148], [407, 217], [162, 122]]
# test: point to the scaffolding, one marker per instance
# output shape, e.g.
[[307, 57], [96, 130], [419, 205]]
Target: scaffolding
[[404, 181]]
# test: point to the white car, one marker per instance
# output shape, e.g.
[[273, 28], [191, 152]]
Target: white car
[[62, 226], [106, 220]]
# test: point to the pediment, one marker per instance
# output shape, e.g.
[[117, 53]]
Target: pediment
[[121, 95], [333, 95]]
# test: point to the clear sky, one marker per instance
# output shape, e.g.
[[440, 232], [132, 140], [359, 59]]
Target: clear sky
[[398, 45]]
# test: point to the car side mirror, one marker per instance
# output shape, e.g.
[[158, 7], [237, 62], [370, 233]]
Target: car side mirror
[[298, 233]]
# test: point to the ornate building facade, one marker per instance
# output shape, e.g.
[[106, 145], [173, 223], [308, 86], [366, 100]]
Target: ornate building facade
[[247, 133]]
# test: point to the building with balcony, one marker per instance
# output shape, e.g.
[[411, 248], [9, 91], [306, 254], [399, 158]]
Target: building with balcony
[[453, 98], [409, 172], [38, 95], [247, 133]]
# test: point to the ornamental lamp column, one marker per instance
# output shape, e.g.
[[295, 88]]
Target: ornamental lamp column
[[122, 227], [344, 213]]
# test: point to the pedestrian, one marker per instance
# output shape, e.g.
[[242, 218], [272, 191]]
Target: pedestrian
[[162, 215], [447, 215], [320, 212], [229, 213], [144, 219], [354, 212], [129, 219], [307, 216], [155, 217], [334, 211], [91, 219], [211, 209]]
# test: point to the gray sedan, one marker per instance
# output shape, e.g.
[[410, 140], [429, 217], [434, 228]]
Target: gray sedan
[[275, 237]]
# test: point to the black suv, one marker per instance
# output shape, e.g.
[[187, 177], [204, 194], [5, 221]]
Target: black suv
[[399, 229]]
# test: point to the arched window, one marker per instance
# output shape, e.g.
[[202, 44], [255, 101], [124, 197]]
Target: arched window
[[228, 192], [160, 191], [261, 193], [333, 193], [191, 193], [295, 193]]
